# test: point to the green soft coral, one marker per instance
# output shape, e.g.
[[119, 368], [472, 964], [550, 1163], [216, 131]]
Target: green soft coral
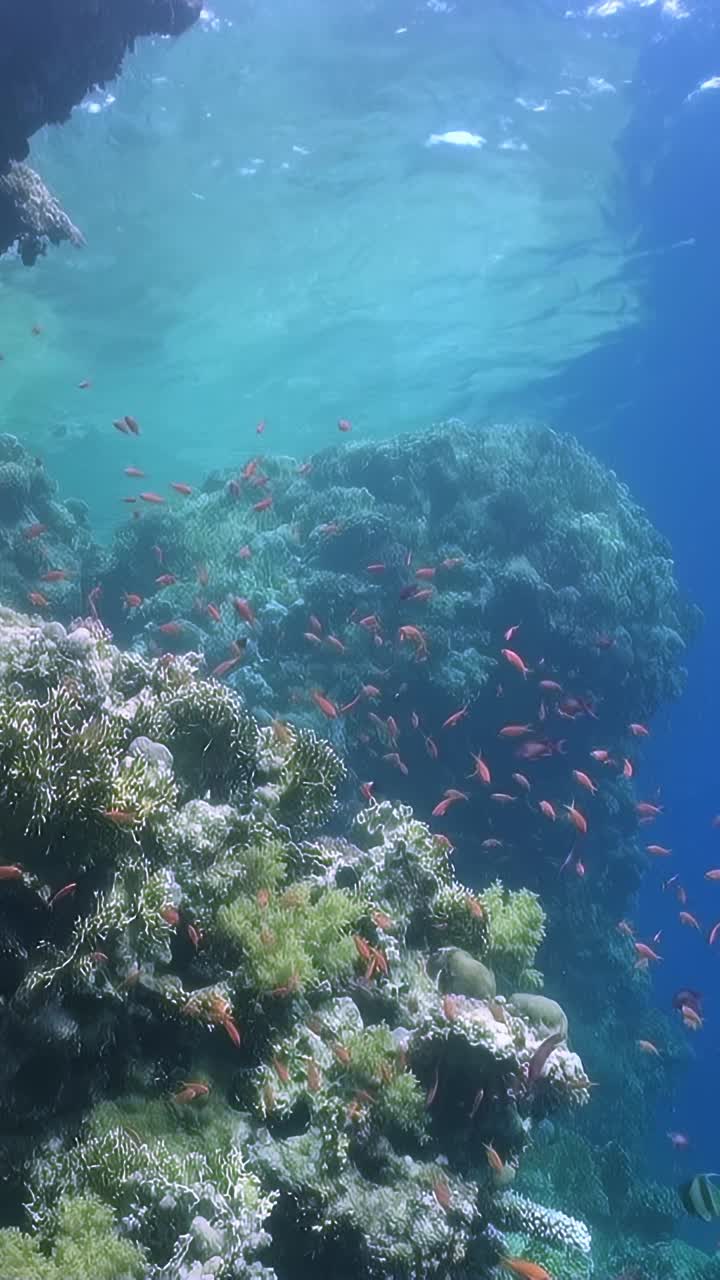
[[516, 929], [85, 1246]]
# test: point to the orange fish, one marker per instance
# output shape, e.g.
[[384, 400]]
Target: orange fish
[[578, 819], [525, 1269], [645, 952], [455, 718], [481, 771], [515, 661], [443, 805], [264, 504], [135, 473], [501, 797], [344, 425], [376, 568], [639, 730], [54, 575], [394, 759], [245, 553], [327, 707], [431, 748], [65, 892], [627, 768], [514, 730], [415, 636], [166, 580], [425, 573], [213, 612], [179, 487], [232, 1031], [152, 498], [647, 1046], [496, 1162], [244, 610], [511, 631], [12, 872], [366, 790], [646, 812], [601, 755], [34, 531], [336, 645], [691, 1017], [713, 875], [547, 809], [686, 918], [522, 781], [584, 781], [38, 599], [171, 628]]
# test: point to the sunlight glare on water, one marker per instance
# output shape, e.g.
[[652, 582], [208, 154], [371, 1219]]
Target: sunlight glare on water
[[285, 220]]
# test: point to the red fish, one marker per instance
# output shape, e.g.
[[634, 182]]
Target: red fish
[[213, 612], [584, 781], [431, 748], [647, 812], [370, 691], [502, 797], [714, 934], [224, 668], [38, 599], [132, 600], [639, 730], [511, 631], [336, 645], [578, 819], [392, 728], [327, 707], [455, 718], [34, 531], [686, 918], [421, 597], [414, 636], [658, 850], [65, 892], [521, 780], [171, 628], [152, 498], [244, 610], [645, 952], [179, 487], [627, 768], [425, 573], [245, 553], [344, 425], [264, 504], [547, 809], [54, 575], [370, 623], [550, 686], [517, 731], [713, 875], [166, 580], [376, 568], [366, 790], [135, 473], [394, 759], [312, 638], [515, 661], [481, 771], [12, 872]]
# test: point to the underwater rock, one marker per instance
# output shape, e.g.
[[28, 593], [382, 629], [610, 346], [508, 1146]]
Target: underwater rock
[[52, 55], [464, 976]]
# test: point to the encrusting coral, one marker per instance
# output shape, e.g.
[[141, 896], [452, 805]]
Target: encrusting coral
[[224, 1046]]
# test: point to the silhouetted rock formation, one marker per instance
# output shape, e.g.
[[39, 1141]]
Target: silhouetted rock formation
[[51, 53]]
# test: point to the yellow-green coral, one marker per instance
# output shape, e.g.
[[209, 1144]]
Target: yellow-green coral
[[290, 939], [85, 1246], [516, 929]]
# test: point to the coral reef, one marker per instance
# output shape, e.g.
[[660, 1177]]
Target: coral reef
[[224, 1046], [52, 54], [46, 546]]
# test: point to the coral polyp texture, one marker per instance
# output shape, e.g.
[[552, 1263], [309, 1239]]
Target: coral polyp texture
[[232, 1038]]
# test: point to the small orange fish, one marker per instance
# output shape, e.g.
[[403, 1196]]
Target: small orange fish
[[366, 790], [153, 498], [232, 1031], [344, 425], [647, 812], [514, 730], [455, 718], [336, 645], [264, 504], [135, 473], [393, 758], [425, 574], [502, 797], [327, 707], [647, 1046], [171, 628], [441, 1191], [191, 1091], [244, 610], [245, 553], [481, 771], [601, 755], [713, 875], [584, 781], [65, 892], [54, 575], [521, 781], [546, 808], [639, 730], [578, 819], [12, 872], [627, 768], [691, 1017], [511, 631], [645, 952], [33, 531], [686, 918], [525, 1269], [179, 487], [496, 1162], [37, 599], [431, 747], [515, 661], [132, 600], [658, 850]]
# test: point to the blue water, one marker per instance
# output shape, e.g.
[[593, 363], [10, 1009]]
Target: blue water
[[272, 234]]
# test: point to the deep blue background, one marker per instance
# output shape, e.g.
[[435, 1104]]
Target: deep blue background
[[663, 441]]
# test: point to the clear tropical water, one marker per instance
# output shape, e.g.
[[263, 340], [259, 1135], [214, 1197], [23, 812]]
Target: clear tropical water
[[399, 214]]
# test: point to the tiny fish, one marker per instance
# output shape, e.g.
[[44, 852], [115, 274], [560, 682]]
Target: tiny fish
[[132, 424], [153, 498], [135, 473], [264, 504], [344, 425], [179, 487]]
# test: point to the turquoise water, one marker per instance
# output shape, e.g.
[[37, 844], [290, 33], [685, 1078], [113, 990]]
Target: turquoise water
[[269, 236]]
